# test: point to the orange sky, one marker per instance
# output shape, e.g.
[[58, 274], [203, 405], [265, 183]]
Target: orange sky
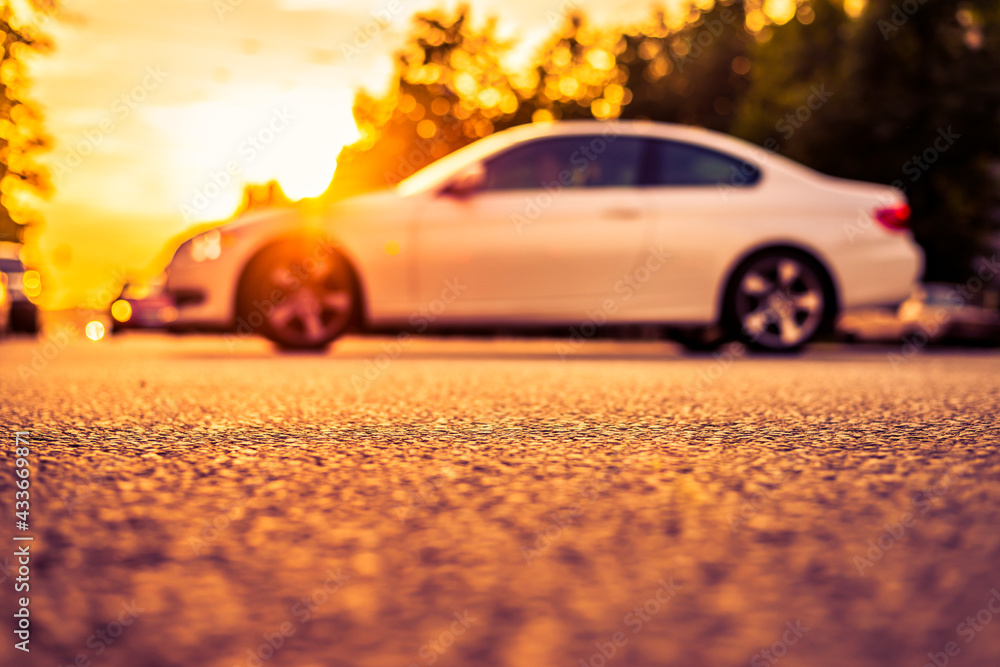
[[149, 102]]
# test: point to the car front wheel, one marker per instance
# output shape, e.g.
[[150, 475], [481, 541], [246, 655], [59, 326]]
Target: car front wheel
[[298, 300]]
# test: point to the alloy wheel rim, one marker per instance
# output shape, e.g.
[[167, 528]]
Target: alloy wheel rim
[[780, 302], [316, 306]]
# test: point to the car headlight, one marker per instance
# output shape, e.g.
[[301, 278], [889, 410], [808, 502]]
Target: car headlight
[[208, 246]]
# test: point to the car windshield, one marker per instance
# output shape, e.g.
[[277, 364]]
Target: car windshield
[[438, 172]]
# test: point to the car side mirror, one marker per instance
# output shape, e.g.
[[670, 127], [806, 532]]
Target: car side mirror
[[467, 181]]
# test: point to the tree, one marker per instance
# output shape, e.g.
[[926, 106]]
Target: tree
[[22, 136], [256, 196], [449, 89], [575, 75], [695, 74], [785, 63]]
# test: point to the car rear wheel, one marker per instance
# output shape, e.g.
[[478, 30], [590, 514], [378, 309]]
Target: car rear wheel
[[297, 299], [778, 301]]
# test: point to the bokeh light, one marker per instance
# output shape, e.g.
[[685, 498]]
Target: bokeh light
[[94, 330], [121, 310], [32, 282]]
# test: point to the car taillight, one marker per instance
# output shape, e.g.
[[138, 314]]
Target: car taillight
[[894, 217]]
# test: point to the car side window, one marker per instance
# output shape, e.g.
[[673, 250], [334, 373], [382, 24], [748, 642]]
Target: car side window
[[674, 163], [583, 161]]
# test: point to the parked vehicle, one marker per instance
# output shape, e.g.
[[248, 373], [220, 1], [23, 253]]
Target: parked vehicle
[[564, 224], [22, 286], [946, 314], [4, 304], [142, 305]]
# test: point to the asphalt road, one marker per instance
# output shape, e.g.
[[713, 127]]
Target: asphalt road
[[197, 503]]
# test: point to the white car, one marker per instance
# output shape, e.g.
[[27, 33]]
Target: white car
[[569, 224]]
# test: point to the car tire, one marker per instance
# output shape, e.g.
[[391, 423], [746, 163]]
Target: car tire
[[23, 318], [778, 301], [298, 295]]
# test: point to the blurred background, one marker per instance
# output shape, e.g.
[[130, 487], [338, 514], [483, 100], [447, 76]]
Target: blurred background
[[126, 127]]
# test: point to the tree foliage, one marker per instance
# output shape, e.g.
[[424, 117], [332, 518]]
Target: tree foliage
[[266, 195], [449, 89], [22, 136]]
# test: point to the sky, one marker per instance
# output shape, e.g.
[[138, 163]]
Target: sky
[[162, 110]]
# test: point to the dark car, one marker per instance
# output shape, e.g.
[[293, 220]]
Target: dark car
[[21, 284]]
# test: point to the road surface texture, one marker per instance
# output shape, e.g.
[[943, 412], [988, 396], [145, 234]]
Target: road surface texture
[[199, 502]]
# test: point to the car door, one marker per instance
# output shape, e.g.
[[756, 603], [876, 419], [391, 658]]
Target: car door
[[554, 225], [701, 202]]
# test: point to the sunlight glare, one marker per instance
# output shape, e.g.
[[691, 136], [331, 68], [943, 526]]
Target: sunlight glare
[[293, 137]]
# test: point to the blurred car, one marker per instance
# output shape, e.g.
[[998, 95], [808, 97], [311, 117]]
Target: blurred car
[[945, 316], [142, 305], [4, 304], [22, 285], [936, 313], [576, 224]]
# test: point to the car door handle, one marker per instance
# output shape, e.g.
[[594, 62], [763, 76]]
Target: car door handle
[[622, 213]]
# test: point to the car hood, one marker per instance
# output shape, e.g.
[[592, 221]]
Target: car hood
[[316, 214]]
